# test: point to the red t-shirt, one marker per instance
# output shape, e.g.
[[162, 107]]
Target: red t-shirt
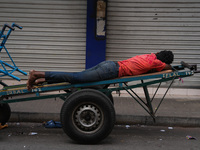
[[140, 64]]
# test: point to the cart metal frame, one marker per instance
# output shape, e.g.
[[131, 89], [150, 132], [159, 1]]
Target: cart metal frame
[[8, 93], [8, 69]]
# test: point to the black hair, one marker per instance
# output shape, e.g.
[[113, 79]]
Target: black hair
[[165, 56]]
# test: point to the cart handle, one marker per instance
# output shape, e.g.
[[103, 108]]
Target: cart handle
[[4, 27], [16, 25], [191, 67]]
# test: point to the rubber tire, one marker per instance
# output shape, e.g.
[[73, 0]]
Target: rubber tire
[[5, 113], [104, 86], [92, 98], [110, 97]]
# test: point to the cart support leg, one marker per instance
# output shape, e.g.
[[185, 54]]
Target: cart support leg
[[149, 105]]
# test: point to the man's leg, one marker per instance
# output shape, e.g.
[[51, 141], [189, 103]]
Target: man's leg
[[103, 71]]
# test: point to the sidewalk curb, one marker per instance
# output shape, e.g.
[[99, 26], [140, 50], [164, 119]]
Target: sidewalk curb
[[160, 120], [120, 119]]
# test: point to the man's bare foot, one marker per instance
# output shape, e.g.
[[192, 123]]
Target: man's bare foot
[[31, 80], [35, 77], [41, 80]]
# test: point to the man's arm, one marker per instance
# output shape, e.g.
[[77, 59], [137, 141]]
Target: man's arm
[[167, 67]]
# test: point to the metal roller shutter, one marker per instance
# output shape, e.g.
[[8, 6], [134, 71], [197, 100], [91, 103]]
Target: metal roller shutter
[[144, 26], [53, 35]]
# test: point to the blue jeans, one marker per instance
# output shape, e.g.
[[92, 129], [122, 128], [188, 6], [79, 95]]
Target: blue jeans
[[102, 71]]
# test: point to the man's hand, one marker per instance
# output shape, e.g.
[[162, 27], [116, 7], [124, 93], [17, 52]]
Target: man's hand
[[168, 67]]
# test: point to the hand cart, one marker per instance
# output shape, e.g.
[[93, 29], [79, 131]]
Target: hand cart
[[88, 114]]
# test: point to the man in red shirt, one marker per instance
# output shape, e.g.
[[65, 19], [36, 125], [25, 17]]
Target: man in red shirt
[[107, 70], [141, 64]]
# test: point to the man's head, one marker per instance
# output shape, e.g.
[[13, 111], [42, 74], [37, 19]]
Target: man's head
[[165, 56]]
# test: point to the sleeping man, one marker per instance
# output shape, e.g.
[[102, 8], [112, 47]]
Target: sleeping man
[[105, 70]]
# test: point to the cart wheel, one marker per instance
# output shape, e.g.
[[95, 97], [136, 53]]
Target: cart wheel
[[5, 113], [88, 116]]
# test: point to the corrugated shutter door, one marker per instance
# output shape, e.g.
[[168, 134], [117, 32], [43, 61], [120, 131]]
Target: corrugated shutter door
[[53, 36], [145, 26]]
